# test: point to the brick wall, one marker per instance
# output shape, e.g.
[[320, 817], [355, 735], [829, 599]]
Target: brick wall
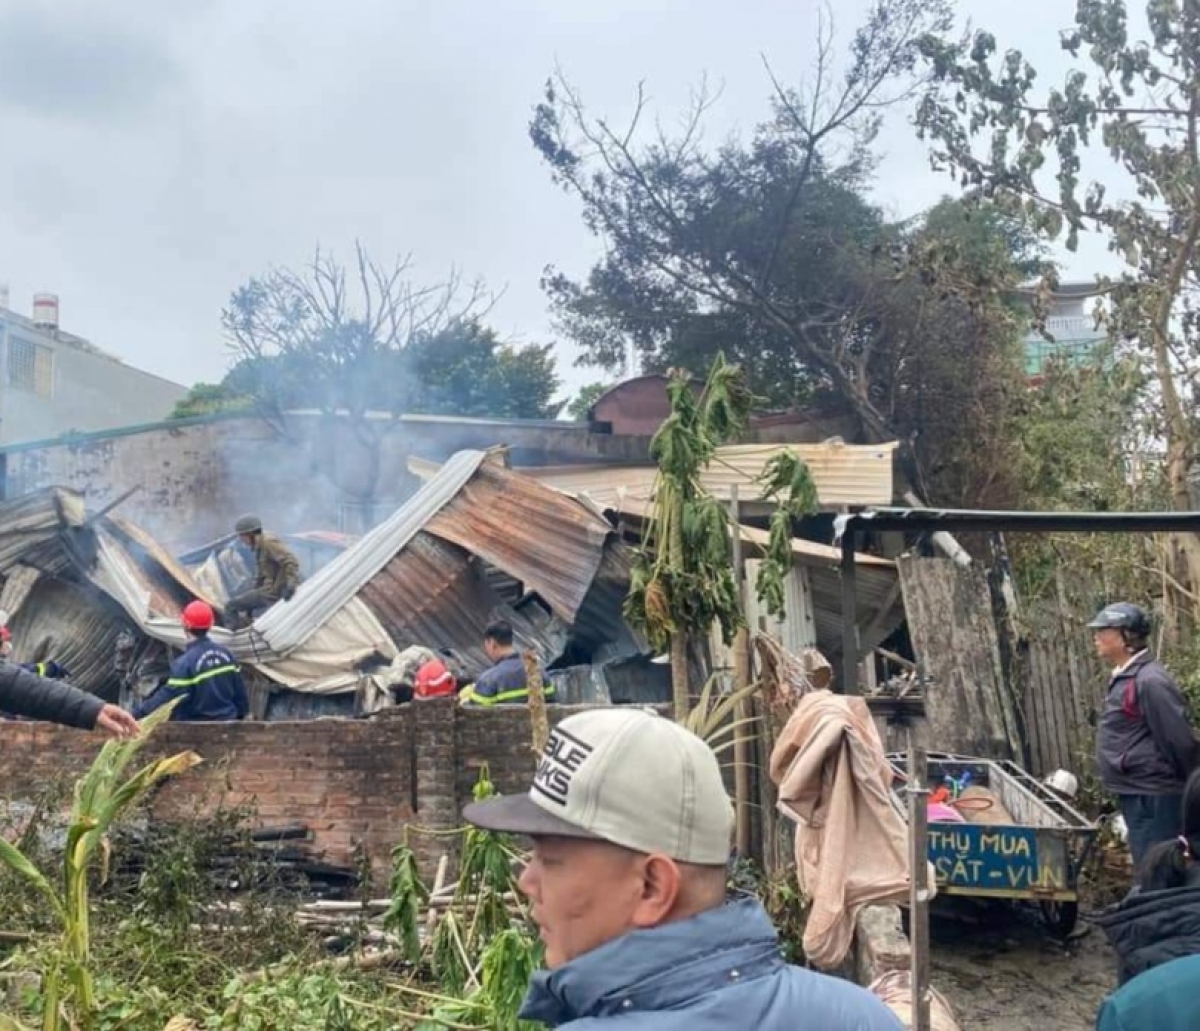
[[349, 780]]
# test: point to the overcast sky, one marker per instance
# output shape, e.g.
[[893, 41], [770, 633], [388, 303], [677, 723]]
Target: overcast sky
[[156, 155]]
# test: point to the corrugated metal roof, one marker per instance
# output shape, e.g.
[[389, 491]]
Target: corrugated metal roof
[[172, 578], [283, 628], [844, 474], [434, 594], [33, 529], [549, 542], [876, 581], [430, 594], [74, 627], [804, 550], [880, 607], [427, 575]]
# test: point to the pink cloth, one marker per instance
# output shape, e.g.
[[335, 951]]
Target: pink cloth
[[851, 842]]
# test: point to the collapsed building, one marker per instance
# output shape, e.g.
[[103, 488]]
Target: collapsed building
[[477, 542]]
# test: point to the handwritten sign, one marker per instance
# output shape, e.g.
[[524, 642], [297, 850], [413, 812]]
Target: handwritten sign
[[974, 856]]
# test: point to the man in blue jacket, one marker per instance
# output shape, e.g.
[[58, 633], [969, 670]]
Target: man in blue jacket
[[1145, 748], [206, 675], [1164, 998], [631, 829]]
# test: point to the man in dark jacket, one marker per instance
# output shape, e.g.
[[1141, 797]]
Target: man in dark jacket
[[276, 570], [504, 681], [40, 698], [631, 828], [206, 675], [1145, 748], [1160, 919]]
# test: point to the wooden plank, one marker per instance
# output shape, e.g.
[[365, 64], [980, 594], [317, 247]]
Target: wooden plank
[[1035, 709], [969, 706]]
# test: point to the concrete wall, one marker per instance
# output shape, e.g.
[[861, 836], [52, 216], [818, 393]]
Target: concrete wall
[[193, 481], [87, 391], [349, 780], [305, 473]]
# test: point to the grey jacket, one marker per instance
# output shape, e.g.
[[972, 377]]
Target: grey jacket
[[719, 971], [39, 698], [1145, 745]]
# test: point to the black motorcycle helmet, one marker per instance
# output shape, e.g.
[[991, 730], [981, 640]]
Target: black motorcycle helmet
[[1130, 619]]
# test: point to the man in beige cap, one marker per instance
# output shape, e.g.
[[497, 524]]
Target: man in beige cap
[[631, 826]]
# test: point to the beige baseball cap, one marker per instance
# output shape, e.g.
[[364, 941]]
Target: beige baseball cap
[[626, 776]]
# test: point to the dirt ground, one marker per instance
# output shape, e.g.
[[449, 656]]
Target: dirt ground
[[1002, 971]]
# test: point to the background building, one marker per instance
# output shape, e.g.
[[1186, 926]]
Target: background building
[[1077, 339], [53, 383]]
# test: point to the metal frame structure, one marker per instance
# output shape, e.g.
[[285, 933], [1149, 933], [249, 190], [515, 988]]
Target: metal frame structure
[[930, 520]]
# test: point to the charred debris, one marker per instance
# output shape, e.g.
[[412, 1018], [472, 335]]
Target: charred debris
[[477, 542]]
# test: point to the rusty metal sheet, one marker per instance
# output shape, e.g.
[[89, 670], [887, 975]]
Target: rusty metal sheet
[[156, 563], [74, 626], [546, 540], [32, 530], [434, 594]]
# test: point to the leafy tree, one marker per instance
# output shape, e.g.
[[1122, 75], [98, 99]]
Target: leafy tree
[[768, 251], [579, 406], [465, 369], [995, 129], [683, 578], [357, 343], [209, 398]]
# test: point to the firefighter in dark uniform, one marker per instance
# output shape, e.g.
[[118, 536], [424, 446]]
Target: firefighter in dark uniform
[[276, 571], [206, 676], [504, 681]]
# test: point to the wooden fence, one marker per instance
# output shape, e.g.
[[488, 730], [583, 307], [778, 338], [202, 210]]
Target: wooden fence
[[1063, 689], [1041, 711]]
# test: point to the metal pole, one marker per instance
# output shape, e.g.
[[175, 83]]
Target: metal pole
[[918, 822], [849, 615], [741, 679]]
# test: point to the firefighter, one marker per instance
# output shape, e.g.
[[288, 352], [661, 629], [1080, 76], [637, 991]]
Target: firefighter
[[276, 571], [206, 676], [52, 670], [504, 681]]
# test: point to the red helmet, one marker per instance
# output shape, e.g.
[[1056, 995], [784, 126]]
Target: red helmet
[[434, 680], [5, 634], [198, 615]]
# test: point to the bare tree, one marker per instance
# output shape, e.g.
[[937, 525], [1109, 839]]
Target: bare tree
[[338, 340]]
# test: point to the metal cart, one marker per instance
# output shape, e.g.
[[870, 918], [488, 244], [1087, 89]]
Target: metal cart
[[1037, 857]]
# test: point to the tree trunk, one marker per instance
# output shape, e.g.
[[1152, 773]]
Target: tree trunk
[[680, 695], [539, 723], [1181, 444], [1180, 450]]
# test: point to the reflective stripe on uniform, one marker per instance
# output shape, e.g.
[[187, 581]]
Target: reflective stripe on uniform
[[208, 674], [467, 694]]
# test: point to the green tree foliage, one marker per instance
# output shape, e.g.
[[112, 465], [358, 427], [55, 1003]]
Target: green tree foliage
[[768, 251], [683, 578], [1115, 150], [354, 343], [209, 399], [465, 369], [579, 406]]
